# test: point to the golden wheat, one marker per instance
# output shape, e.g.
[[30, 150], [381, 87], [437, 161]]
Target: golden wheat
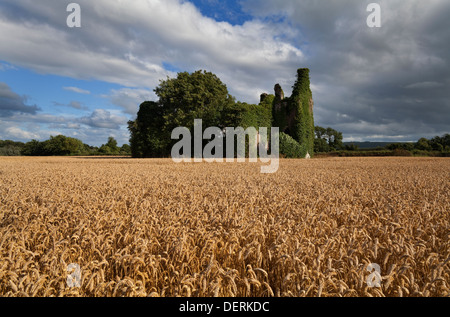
[[156, 228]]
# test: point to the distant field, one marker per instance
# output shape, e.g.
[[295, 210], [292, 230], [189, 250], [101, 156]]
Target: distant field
[[156, 228]]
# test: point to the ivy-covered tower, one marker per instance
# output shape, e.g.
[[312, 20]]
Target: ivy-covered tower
[[294, 115]]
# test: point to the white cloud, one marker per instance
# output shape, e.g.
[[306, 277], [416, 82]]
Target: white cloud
[[77, 90], [128, 44], [93, 129], [129, 99], [104, 119], [15, 133]]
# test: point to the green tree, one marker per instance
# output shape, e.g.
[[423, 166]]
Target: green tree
[[321, 146], [90, 150], [112, 144], [334, 139], [56, 146], [105, 150], [10, 148], [351, 147], [62, 145], [193, 96], [320, 132], [149, 138], [446, 140], [200, 95], [423, 145], [110, 148], [320, 140], [34, 148], [125, 149], [400, 146], [439, 143], [327, 139]]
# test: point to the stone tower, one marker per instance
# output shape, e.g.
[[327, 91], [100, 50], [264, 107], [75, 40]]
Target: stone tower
[[294, 115]]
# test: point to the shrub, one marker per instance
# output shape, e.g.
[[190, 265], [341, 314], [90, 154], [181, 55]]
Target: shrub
[[401, 152], [290, 148], [10, 150]]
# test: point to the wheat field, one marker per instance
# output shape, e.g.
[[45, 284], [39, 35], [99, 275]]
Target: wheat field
[[156, 228]]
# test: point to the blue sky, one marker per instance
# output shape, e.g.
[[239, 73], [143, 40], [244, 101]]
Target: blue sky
[[63, 105], [63, 89], [227, 11], [383, 84]]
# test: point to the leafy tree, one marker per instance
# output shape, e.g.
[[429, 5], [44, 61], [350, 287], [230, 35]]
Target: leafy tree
[[200, 95], [351, 147], [334, 139], [446, 140], [112, 144], [4, 143], [57, 145], [327, 139], [321, 146], [439, 143], [320, 132], [408, 146], [192, 96], [105, 150], [400, 146], [90, 150], [34, 148], [149, 138], [110, 148], [10, 148], [125, 149], [62, 145], [423, 145]]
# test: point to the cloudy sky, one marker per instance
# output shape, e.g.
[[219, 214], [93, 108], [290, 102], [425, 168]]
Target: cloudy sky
[[373, 84]]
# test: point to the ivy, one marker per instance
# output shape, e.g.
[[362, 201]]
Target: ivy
[[201, 95]]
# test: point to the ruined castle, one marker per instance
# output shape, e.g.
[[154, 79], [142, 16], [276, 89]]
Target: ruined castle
[[294, 115], [152, 129]]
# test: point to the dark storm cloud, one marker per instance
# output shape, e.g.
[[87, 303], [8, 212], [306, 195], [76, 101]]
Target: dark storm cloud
[[382, 83], [11, 103]]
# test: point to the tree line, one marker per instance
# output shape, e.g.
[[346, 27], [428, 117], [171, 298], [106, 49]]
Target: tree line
[[61, 145], [329, 141]]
